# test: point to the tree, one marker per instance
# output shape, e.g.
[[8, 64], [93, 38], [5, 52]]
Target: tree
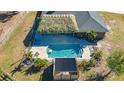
[[91, 36], [116, 61]]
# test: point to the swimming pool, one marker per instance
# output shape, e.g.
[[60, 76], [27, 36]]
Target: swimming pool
[[64, 51], [61, 46]]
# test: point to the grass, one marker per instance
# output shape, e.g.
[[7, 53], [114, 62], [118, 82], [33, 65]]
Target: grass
[[58, 23], [1, 31], [115, 37], [11, 53]]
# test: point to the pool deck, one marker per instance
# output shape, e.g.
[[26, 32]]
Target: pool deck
[[41, 52], [86, 53]]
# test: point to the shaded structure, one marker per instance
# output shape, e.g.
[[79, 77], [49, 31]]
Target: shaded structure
[[65, 69]]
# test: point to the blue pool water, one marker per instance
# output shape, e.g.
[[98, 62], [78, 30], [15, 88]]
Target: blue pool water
[[62, 46], [64, 51]]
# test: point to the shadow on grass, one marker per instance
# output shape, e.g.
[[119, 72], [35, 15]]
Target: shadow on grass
[[47, 74], [31, 70], [30, 37], [16, 69], [16, 62], [27, 40]]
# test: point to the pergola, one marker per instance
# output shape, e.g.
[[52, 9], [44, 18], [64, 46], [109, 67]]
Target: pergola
[[65, 69]]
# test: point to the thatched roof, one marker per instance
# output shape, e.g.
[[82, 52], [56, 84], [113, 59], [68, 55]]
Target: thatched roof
[[59, 23]]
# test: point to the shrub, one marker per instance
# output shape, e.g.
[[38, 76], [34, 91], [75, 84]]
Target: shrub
[[91, 75], [97, 54], [92, 62], [39, 18], [116, 61], [84, 65], [28, 54], [91, 36], [40, 62]]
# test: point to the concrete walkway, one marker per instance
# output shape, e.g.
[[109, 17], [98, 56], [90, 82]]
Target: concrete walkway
[[86, 53]]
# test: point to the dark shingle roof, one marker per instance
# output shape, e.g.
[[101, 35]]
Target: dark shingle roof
[[65, 65], [86, 20], [97, 18]]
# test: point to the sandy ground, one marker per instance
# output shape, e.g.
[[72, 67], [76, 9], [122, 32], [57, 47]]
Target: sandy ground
[[10, 25], [119, 12]]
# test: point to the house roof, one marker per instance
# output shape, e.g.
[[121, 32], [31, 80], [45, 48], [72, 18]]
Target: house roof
[[65, 65], [86, 20]]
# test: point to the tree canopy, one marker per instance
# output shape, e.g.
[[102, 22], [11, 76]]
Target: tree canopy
[[116, 61]]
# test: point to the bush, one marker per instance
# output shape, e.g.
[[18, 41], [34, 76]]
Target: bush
[[92, 62], [97, 54], [116, 62], [91, 75], [91, 36], [40, 62], [84, 65], [28, 54], [39, 18]]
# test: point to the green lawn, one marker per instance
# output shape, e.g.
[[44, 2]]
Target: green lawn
[[12, 52], [115, 37]]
